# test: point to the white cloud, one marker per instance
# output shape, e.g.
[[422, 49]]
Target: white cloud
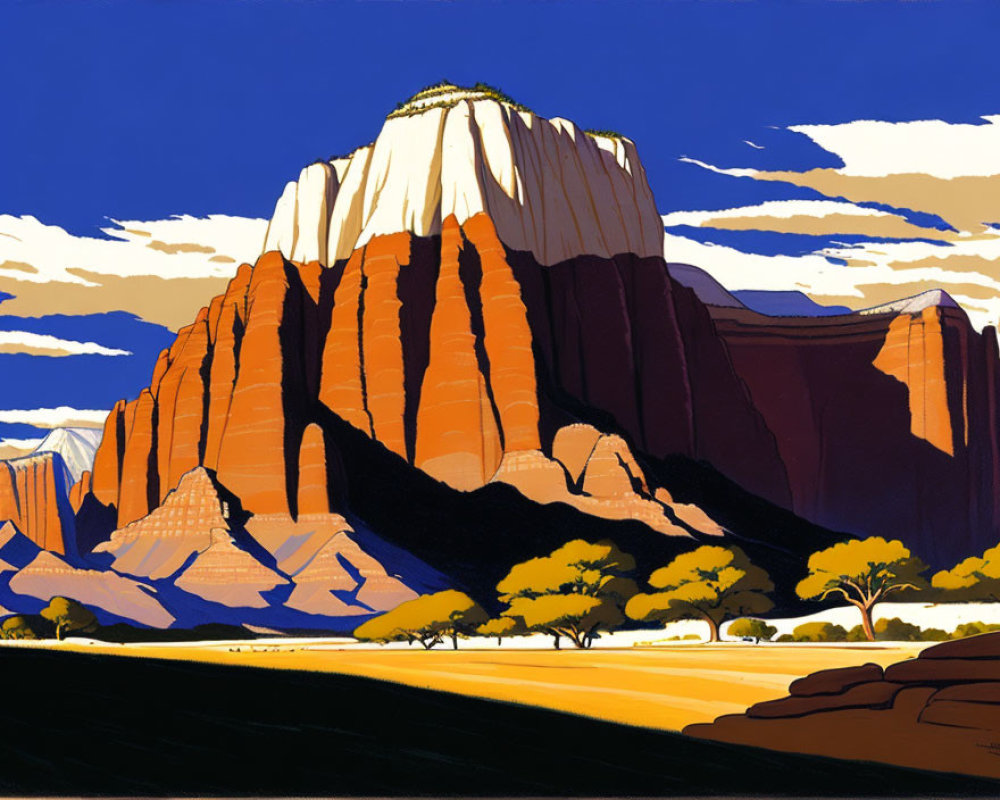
[[775, 209], [930, 147], [733, 173], [45, 345], [180, 247], [938, 167], [16, 448], [20, 444], [60, 417]]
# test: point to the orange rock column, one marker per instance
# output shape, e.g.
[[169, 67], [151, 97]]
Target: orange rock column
[[385, 393], [133, 498], [507, 339], [222, 373], [313, 495], [457, 437], [341, 388], [252, 452]]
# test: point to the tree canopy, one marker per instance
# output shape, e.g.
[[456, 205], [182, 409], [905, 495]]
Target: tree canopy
[[499, 627], [17, 627], [69, 616], [864, 572], [576, 590], [426, 619], [975, 578], [711, 583]]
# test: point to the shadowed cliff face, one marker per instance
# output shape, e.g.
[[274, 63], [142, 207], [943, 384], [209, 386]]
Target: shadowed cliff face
[[887, 423], [461, 357]]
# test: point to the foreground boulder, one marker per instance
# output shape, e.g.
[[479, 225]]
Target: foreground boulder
[[940, 711]]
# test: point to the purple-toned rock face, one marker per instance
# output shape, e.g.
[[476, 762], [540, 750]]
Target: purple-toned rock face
[[886, 424]]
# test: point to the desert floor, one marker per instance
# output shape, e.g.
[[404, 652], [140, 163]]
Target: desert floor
[[656, 687]]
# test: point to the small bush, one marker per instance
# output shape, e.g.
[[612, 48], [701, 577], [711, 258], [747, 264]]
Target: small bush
[[785, 637], [819, 632], [934, 635], [895, 630], [973, 629], [756, 628], [857, 634], [18, 627]]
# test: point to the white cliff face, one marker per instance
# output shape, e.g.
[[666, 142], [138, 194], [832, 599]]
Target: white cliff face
[[549, 188]]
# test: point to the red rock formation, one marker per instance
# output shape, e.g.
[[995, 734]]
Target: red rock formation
[[472, 361], [342, 580], [225, 574], [159, 544], [34, 496], [108, 459], [937, 712], [448, 351], [314, 490], [886, 423], [79, 490], [252, 453], [49, 575], [458, 441]]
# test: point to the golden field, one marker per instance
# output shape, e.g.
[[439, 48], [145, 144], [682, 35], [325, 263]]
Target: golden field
[[657, 687]]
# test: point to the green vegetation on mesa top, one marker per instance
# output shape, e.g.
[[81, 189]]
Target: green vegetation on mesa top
[[405, 109], [446, 87]]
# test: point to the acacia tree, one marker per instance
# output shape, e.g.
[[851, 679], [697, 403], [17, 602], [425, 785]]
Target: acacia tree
[[864, 572], [975, 578], [711, 583], [426, 619], [499, 627], [575, 591], [68, 616]]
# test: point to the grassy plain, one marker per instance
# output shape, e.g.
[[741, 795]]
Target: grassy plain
[[658, 687]]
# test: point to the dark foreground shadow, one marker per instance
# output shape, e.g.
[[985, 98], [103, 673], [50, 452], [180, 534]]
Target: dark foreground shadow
[[84, 725]]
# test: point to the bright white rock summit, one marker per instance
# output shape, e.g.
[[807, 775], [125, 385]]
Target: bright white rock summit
[[549, 187]]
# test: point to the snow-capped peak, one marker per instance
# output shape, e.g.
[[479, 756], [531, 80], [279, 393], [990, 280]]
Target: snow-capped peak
[[77, 446]]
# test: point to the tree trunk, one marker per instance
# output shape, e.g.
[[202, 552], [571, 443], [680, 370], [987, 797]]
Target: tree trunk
[[555, 641], [713, 629], [866, 622], [58, 633], [454, 640], [499, 641]]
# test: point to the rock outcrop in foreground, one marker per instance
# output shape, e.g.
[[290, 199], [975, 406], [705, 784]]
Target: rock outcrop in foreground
[[940, 711]]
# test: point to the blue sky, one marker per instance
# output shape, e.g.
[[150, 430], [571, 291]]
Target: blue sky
[[139, 110]]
